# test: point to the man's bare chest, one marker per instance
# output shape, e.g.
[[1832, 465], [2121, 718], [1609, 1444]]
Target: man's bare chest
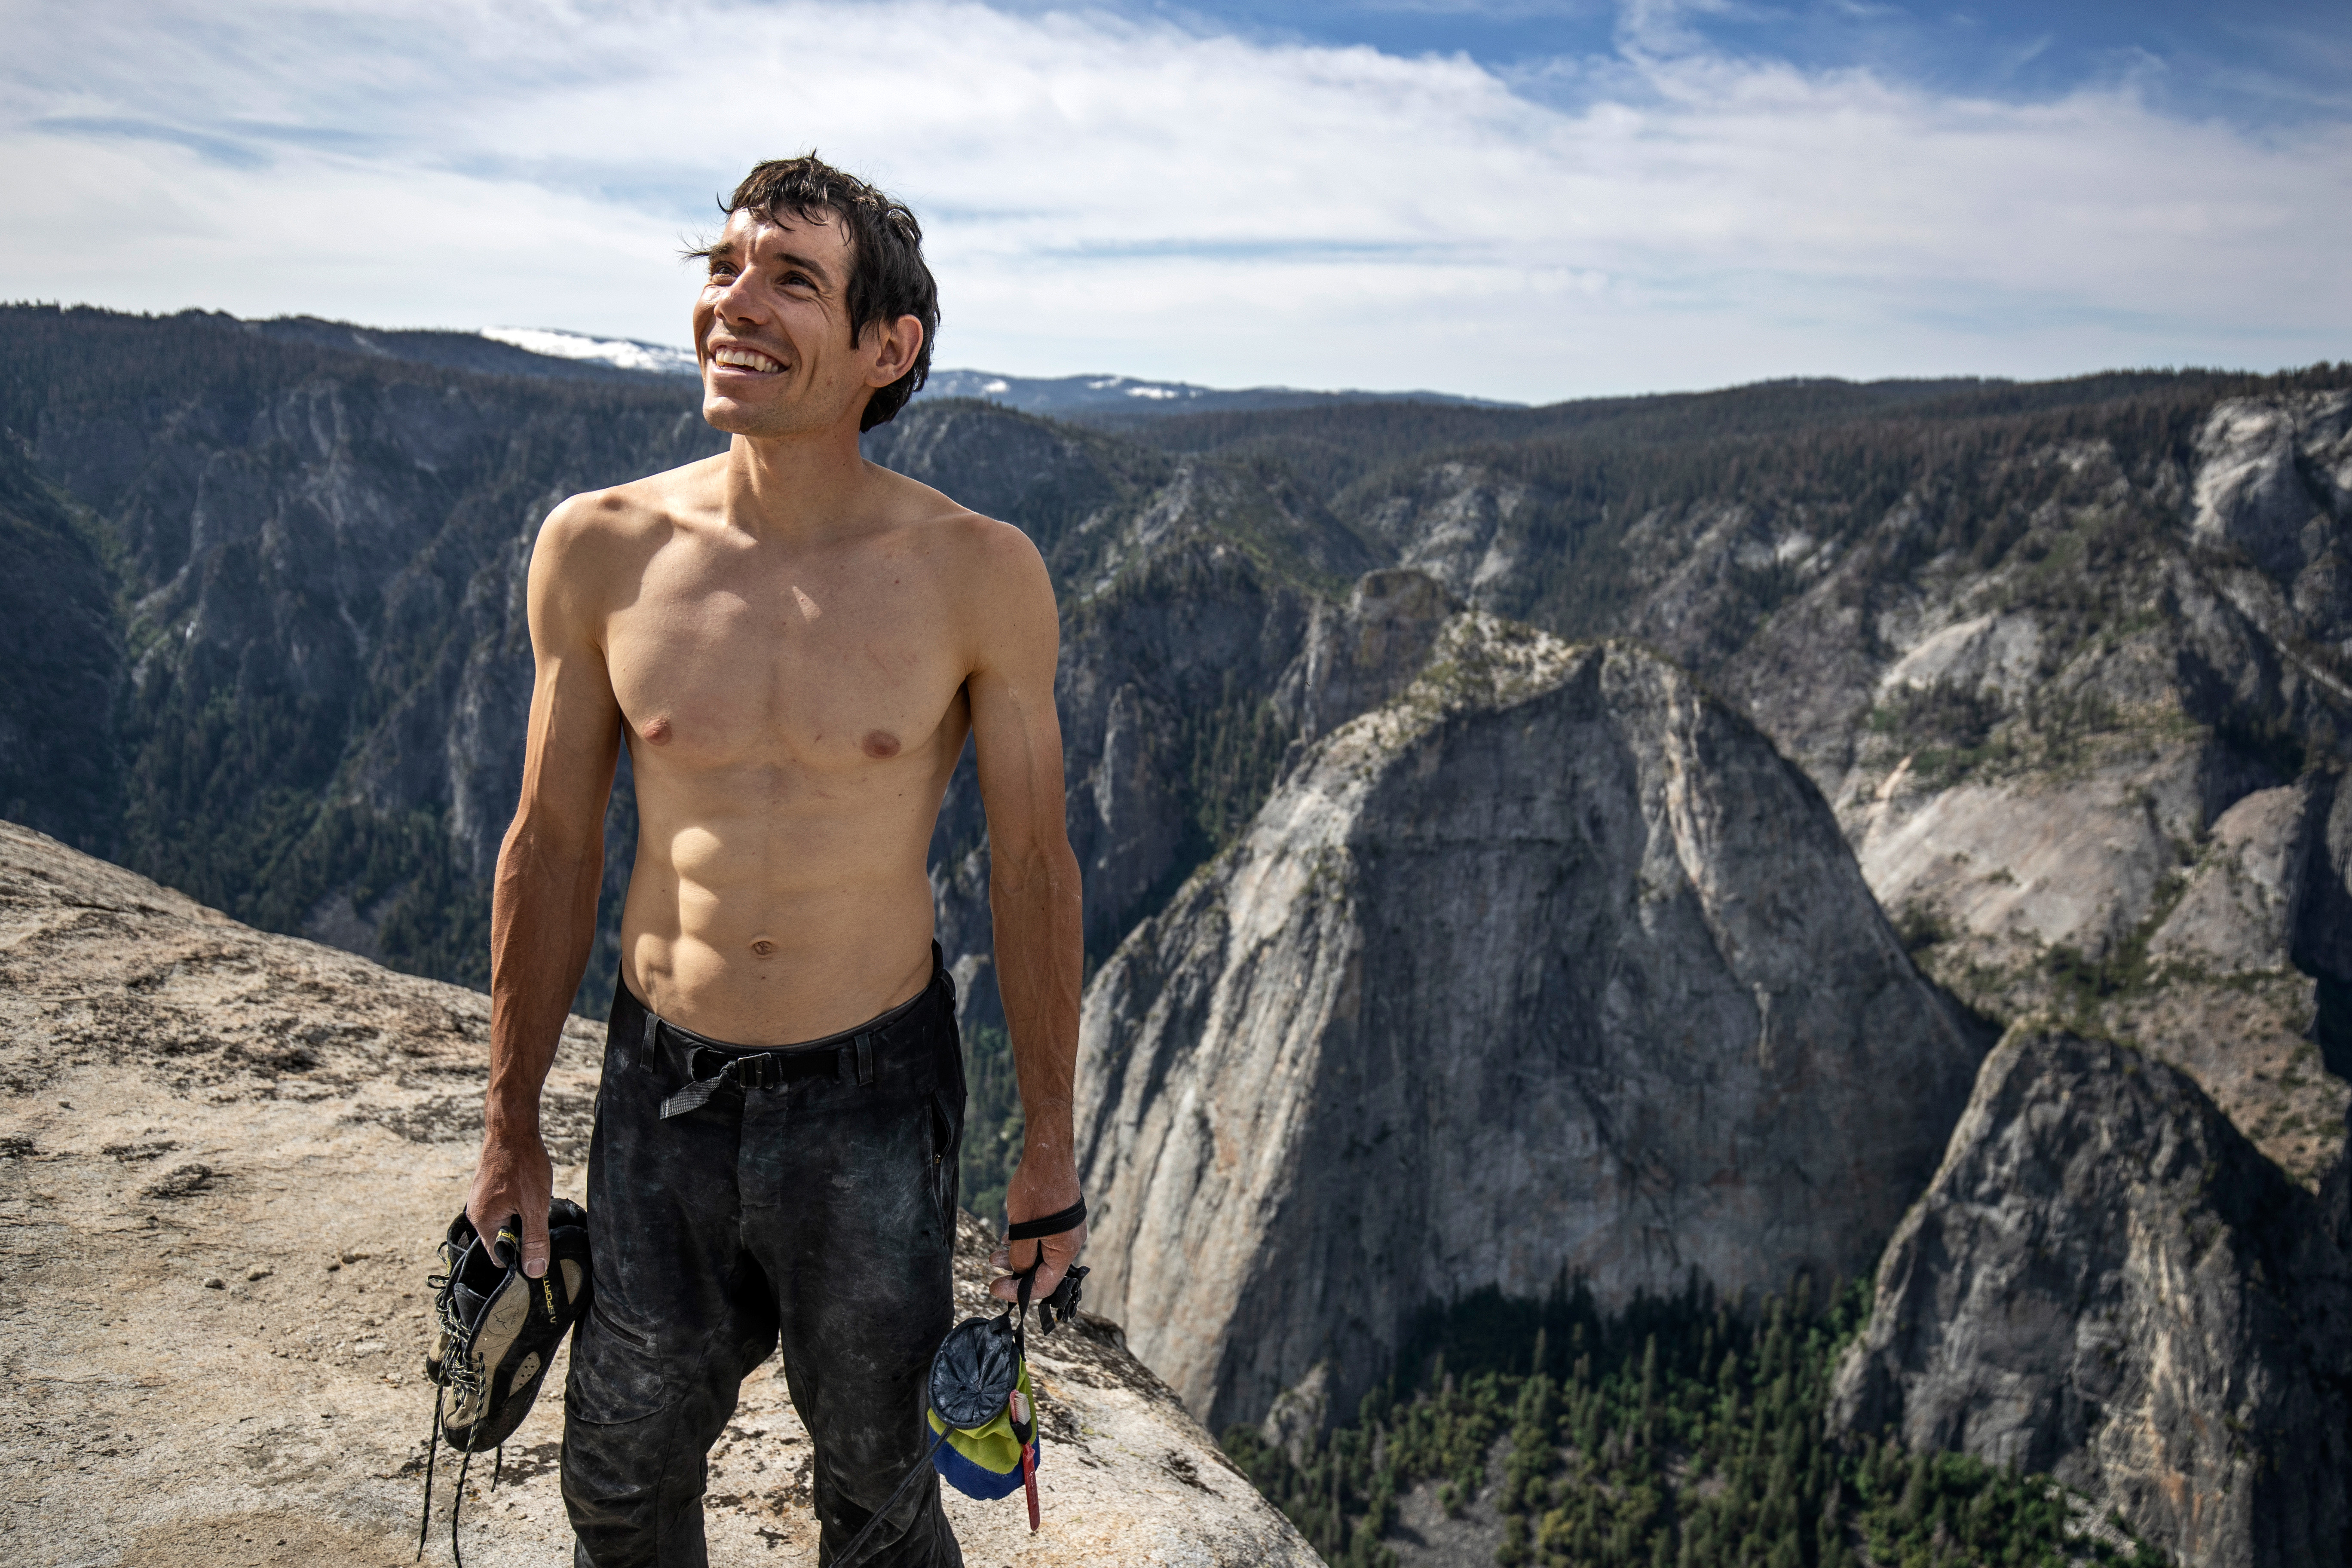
[[819, 670]]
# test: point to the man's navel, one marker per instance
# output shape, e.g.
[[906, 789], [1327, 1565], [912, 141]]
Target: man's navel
[[880, 743], [764, 947]]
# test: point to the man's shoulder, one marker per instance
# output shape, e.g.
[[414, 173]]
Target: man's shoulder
[[630, 514], [967, 540], [993, 582]]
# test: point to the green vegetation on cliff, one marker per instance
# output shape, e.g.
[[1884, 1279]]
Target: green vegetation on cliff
[[61, 643], [1678, 1434]]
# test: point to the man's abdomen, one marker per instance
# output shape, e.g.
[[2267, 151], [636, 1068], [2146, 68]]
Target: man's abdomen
[[771, 932]]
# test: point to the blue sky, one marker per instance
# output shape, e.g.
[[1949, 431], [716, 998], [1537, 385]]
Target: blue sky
[[1513, 198], [2260, 61]]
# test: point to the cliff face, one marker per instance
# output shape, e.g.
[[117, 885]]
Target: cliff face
[[2085, 795], [2033, 660], [2107, 1280], [1203, 634], [1548, 967]]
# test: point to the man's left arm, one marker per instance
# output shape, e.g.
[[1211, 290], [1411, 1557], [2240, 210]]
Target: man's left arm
[[1033, 883]]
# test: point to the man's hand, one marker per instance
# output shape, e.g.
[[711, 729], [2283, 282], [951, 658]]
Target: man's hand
[[1047, 1183], [514, 1177]]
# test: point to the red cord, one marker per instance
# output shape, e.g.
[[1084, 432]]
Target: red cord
[[1029, 1480]]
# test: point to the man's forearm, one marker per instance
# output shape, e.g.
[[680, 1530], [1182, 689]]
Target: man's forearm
[[1034, 899], [542, 922]]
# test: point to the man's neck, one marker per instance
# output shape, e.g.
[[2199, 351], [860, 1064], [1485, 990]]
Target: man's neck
[[794, 487]]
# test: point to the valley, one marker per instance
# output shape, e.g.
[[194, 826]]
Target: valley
[[1743, 843]]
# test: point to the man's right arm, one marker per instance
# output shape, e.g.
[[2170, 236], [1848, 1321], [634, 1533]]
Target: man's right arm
[[543, 903]]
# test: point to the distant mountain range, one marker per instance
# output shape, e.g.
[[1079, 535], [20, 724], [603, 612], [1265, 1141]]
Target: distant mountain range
[[1100, 400], [1125, 398]]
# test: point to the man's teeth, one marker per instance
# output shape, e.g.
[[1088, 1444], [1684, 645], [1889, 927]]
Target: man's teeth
[[745, 359]]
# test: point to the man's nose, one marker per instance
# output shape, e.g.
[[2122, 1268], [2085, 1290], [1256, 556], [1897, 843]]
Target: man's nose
[[738, 302]]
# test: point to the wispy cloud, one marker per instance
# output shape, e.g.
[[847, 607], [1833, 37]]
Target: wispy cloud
[[1108, 192], [235, 151]]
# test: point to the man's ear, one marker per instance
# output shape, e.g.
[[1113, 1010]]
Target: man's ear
[[896, 345]]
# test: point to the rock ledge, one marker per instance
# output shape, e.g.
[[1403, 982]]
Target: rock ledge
[[223, 1158]]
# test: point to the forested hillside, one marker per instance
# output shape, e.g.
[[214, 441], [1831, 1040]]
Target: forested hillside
[[313, 667], [1680, 1434]]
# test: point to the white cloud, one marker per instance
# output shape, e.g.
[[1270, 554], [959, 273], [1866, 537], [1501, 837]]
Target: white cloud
[[1102, 194]]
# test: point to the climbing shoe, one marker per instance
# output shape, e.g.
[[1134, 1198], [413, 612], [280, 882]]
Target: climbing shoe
[[499, 1327], [498, 1330]]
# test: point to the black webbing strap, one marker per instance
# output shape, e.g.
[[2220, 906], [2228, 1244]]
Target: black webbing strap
[[709, 1069], [1037, 1231], [1069, 1219], [1058, 1306]]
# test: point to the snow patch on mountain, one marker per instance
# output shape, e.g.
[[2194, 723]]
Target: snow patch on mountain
[[623, 353]]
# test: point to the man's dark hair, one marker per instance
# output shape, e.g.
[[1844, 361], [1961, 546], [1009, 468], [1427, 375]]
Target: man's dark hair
[[887, 276]]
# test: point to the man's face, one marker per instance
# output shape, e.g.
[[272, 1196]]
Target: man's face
[[772, 330]]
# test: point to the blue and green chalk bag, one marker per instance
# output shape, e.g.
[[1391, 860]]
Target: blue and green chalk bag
[[984, 1410]]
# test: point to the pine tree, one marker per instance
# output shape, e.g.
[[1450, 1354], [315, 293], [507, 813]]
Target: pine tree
[[1914, 1504]]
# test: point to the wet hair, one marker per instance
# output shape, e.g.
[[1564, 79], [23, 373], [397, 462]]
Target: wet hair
[[887, 276]]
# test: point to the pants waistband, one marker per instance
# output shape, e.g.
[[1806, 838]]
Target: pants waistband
[[847, 1055]]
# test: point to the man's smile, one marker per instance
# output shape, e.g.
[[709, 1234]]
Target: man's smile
[[735, 356]]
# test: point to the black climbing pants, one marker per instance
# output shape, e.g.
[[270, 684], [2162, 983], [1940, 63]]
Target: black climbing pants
[[817, 1207]]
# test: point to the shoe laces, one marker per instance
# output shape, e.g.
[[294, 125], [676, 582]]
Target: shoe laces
[[457, 1500], [461, 1370], [461, 1373]]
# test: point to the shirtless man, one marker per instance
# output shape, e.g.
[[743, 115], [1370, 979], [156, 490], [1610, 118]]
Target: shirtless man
[[792, 643]]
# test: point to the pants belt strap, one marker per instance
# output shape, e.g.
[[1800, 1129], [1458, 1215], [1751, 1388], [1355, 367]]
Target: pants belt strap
[[709, 1069]]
